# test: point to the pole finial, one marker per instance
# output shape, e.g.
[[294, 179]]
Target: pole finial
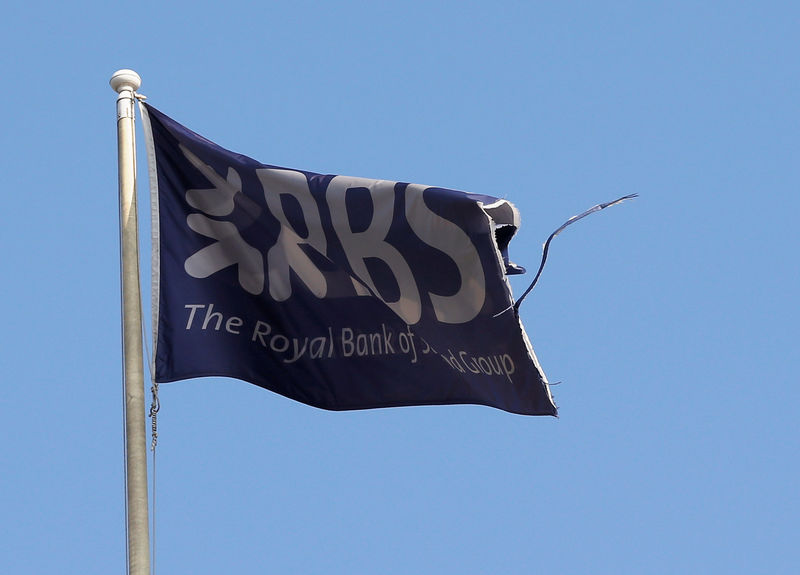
[[125, 80]]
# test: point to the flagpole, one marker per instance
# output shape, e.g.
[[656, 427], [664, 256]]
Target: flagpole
[[125, 83]]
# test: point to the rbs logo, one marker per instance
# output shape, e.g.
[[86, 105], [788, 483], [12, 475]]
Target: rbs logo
[[360, 243]]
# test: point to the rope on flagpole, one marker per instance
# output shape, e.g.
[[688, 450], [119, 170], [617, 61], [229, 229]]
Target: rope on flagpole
[[155, 406]]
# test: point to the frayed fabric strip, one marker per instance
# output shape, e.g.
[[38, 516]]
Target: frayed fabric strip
[[570, 221]]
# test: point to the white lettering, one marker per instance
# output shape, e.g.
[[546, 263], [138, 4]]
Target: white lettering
[[193, 309], [261, 331], [279, 347], [212, 315], [232, 323], [347, 342], [508, 365], [447, 237], [317, 347], [371, 243], [286, 254], [301, 229]]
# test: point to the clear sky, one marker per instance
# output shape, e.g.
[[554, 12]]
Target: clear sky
[[671, 321]]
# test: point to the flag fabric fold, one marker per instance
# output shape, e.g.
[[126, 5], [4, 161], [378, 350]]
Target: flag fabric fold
[[338, 292]]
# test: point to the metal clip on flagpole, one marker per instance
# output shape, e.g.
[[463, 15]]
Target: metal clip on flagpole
[[125, 83]]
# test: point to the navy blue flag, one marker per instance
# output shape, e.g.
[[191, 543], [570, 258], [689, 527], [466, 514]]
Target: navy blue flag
[[338, 292]]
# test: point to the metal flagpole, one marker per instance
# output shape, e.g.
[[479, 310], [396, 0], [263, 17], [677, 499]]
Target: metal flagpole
[[125, 83]]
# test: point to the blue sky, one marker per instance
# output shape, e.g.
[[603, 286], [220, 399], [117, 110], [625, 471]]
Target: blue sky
[[671, 321]]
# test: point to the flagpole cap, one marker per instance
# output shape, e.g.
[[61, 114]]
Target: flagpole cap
[[125, 79]]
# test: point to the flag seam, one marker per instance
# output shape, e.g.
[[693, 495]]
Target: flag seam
[[155, 232]]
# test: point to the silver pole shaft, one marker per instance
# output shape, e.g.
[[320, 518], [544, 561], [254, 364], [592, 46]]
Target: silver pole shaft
[[125, 83]]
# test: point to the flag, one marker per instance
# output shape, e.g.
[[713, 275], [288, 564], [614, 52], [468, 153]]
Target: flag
[[335, 291]]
